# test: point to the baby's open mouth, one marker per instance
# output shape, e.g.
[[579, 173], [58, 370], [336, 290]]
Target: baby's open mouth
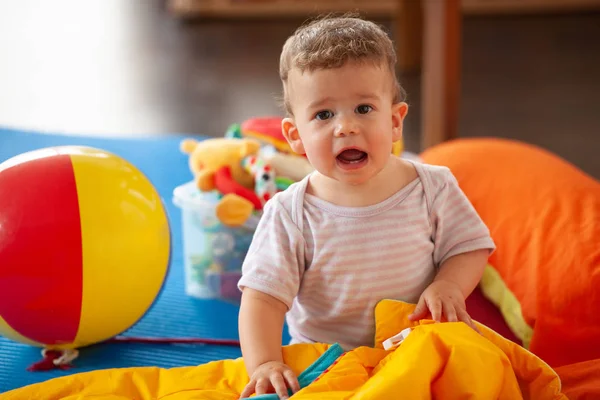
[[352, 156]]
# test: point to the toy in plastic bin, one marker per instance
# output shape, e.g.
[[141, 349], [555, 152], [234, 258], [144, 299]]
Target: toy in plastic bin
[[232, 167], [221, 209], [213, 252]]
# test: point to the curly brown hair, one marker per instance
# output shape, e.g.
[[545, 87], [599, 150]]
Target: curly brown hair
[[331, 41]]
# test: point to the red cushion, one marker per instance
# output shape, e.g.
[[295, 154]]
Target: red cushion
[[484, 311]]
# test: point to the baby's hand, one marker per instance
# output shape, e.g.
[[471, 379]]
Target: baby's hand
[[443, 298], [272, 375]]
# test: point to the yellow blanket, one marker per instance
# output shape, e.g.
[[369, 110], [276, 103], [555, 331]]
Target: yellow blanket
[[448, 360]]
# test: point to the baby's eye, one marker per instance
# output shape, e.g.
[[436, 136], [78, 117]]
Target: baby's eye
[[323, 115], [364, 109]]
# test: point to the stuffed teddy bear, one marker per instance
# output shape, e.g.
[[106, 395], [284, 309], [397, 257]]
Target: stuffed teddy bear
[[226, 165]]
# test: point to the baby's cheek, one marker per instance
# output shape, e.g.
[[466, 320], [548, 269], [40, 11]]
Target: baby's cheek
[[318, 148]]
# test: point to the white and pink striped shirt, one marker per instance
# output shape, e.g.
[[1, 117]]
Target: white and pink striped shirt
[[331, 265]]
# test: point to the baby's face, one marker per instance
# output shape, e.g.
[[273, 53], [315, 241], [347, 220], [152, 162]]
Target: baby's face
[[344, 119]]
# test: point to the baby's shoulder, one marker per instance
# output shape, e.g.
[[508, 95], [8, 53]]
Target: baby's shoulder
[[434, 177], [284, 201]]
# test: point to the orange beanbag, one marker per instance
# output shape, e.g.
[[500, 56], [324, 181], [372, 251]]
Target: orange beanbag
[[580, 380], [544, 215]]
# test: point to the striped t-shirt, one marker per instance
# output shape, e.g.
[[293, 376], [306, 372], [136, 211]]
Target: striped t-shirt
[[331, 265]]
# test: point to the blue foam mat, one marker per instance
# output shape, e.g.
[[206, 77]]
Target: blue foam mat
[[173, 314]]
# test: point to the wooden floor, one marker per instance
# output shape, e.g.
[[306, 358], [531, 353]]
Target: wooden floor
[[114, 67]]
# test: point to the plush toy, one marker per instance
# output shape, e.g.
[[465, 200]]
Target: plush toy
[[268, 131], [218, 164], [290, 166], [265, 185]]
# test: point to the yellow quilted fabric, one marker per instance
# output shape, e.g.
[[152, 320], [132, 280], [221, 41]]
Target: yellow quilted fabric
[[448, 360]]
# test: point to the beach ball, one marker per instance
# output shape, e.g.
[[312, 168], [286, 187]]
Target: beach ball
[[84, 246]]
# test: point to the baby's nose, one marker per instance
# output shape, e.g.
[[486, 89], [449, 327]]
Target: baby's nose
[[346, 126]]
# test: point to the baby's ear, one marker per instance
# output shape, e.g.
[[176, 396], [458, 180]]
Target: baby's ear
[[291, 134], [399, 111]]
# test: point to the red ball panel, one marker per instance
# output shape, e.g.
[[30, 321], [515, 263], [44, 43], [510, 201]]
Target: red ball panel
[[40, 249]]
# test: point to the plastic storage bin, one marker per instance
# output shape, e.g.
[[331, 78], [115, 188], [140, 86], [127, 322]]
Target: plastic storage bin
[[213, 252]]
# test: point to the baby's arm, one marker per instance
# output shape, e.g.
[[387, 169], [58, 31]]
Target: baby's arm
[[271, 276], [465, 270], [462, 245], [457, 278], [261, 325]]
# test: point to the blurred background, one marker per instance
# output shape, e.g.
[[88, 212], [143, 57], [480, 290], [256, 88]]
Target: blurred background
[[529, 69]]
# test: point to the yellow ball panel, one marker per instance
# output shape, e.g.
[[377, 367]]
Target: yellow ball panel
[[126, 244]]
